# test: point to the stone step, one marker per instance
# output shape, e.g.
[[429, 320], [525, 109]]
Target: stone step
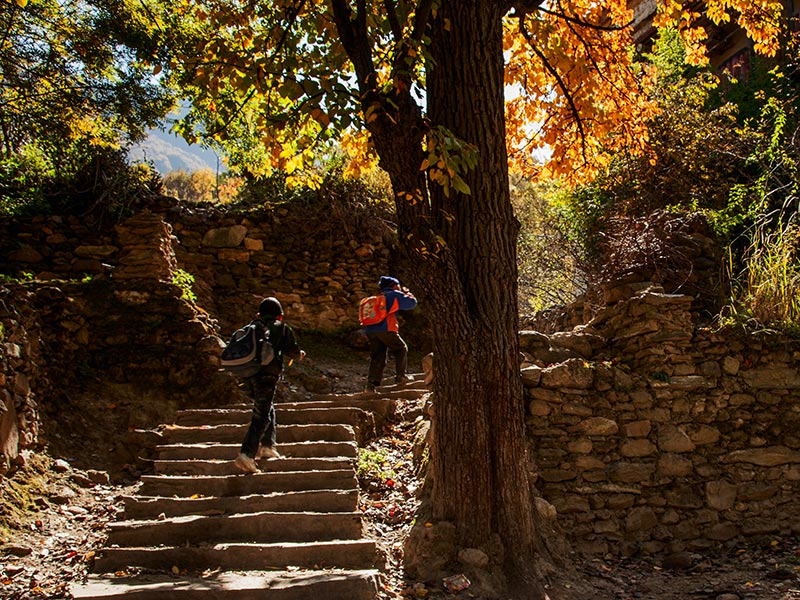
[[254, 585], [266, 535], [380, 396], [294, 414], [176, 434], [341, 554], [212, 451], [245, 485], [364, 401], [368, 401], [264, 527], [149, 507], [226, 467]]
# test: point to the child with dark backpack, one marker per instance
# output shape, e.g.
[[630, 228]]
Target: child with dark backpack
[[260, 439]]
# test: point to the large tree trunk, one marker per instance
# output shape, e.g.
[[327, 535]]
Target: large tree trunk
[[479, 462], [480, 465]]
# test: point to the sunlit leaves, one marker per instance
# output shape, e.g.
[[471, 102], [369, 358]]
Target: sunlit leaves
[[761, 20], [281, 66], [575, 88], [448, 161], [359, 152], [65, 63], [265, 74]]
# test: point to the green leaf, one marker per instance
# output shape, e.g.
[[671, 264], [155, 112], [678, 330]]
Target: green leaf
[[460, 185]]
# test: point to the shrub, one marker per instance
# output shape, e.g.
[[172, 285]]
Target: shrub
[[551, 260], [765, 291], [82, 179]]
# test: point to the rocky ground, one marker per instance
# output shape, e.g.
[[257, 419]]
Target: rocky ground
[[52, 542]]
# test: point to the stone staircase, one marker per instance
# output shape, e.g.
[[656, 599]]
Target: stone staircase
[[199, 528]]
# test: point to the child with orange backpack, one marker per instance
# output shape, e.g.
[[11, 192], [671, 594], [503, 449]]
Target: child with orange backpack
[[378, 314]]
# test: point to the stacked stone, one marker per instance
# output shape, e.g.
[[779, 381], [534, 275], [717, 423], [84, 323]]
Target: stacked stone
[[19, 357], [317, 267], [318, 276], [652, 330], [637, 461], [55, 247], [560, 317], [676, 250], [147, 248], [141, 350]]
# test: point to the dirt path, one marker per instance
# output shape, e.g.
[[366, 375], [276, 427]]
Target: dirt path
[[54, 544]]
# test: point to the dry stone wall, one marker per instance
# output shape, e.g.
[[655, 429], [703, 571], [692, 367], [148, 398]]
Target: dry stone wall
[[649, 435], [120, 348], [96, 310], [318, 266], [20, 374]]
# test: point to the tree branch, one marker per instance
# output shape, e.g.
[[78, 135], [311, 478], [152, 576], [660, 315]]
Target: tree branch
[[394, 23], [523, 7], [559, 81], [526, 7], [423, 15], [353, 36]]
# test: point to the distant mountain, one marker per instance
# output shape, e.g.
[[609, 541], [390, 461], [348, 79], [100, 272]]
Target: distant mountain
[[169, 152]]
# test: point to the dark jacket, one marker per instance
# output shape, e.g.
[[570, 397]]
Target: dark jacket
[[283, 340]]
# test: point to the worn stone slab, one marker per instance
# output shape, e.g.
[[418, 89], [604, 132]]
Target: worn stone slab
[[250, 527], [246, 484], [176, 434], [225, 237], [211, 451], [772, 456], [337, 585], [226, 466], [772, 378], [574, 373], [381, 396], [150, 507], [293, 415], [690, 382], [340, 554]]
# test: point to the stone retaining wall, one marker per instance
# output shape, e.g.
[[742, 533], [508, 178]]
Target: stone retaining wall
[[96, 310], [647, 433], [20, 374], [318, 266], [104, 355], [102, 358], [650, 436]]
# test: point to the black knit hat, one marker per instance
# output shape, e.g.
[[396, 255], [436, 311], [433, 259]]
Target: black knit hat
[[270, 308], [386, 282]]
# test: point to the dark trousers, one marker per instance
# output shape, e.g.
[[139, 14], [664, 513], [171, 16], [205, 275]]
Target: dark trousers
[[380, 343], [261, 389]]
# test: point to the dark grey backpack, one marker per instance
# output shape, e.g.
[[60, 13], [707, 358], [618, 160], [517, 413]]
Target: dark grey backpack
[[241, 354]]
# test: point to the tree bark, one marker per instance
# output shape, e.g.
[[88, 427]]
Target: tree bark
[[480, 465], [478, 457]]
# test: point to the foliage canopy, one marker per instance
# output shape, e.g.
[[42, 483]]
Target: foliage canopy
[[272, 83], [76, 83], [77, 69]]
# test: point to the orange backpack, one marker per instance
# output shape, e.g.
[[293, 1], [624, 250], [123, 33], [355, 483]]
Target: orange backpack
[[372, 310]]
